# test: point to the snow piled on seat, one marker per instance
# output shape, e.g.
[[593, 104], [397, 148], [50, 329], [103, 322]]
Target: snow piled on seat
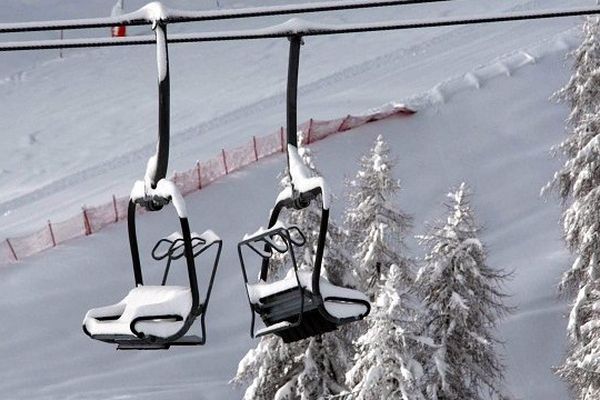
[[143, 301], [338, 309]]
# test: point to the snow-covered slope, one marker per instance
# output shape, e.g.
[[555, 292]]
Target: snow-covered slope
[[77, 129], [496, 137], [99, 106]]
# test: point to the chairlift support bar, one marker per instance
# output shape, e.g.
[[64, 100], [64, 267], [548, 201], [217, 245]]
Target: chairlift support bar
[[283, 31], [178, 16], [164, 103], [292, 90]]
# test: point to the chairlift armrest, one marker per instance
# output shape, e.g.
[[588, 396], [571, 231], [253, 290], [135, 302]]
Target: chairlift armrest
[[148, 318], [107, 311], [265, 238], [176, 245], [350, 300]]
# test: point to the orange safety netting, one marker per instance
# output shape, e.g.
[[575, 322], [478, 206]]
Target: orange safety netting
[[93, 219]]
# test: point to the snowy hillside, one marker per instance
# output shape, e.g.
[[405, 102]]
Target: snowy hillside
[[215, 98], [492, 127]]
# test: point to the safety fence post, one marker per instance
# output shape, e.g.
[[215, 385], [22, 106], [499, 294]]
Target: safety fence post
[[225, 162], [86, 222], [281, 138], [199, 174], [51, 234], [310, 125], [115, 208], [341, 127], [12, 250], [255, 149]]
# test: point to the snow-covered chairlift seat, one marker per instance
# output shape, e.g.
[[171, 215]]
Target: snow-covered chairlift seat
[[169, 306], [290, 307], [157, 317], [339, 302], [310, 305]]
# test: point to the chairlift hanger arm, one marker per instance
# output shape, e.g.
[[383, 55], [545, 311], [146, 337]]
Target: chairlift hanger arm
[[282, 31], [292, 95], [164, 102], [139, 17]]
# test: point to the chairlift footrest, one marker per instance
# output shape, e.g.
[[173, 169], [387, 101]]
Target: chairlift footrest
[[273, 328], [142, 346]]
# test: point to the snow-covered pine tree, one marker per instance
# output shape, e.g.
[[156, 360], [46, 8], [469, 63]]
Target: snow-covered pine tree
[[377, 229], [581, 369], [578, 183], [581, 93], [312, 368], [271, 366], [463, 302], [386, 362], [579, 178]]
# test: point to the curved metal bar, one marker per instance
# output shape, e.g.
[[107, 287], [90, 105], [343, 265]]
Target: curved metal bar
[[189, 257], [264, 269], [135, 321], [164, 94], [133, 244], [301, 240], [347, 300], [292, 91], [175, 245], [316, 274]]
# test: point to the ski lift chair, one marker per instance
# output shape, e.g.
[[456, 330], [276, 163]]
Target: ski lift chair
[[303, 304], [157, 317]]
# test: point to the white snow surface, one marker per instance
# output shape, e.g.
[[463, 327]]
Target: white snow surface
[[102, 103], [78, 129], [143, 301]]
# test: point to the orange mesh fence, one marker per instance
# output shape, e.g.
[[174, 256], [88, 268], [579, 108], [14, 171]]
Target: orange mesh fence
[[211, 170], [270, 144], [121, 204], [240, 157], [69, 229], [93, 219], [321, 129], [101, 216], [187, 181], [35, 242]]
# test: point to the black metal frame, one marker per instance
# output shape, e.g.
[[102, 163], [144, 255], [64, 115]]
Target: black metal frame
[[289, 243], [297, 201], [308, 31], [154, 203], [196, 16], [198, 309]]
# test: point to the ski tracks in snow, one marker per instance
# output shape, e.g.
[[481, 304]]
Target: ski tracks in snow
[[440, 93]]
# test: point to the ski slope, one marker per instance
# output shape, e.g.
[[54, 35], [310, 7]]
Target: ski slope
[[98, 107], [215, 96]]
